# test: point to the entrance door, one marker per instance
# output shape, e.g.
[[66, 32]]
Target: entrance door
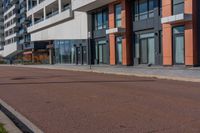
[[119, 50], [144, 51], [101, 52], [147, 51], [178, 45]]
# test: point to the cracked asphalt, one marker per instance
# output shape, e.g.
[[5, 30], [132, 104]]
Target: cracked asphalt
[[59, 101]]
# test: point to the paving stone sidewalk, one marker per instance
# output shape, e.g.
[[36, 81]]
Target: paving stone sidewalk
[[171, 73]]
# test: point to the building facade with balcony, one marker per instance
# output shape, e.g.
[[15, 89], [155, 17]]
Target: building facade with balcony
[[142, 32], [1, 26], [180, 32], [10, 9], [63, 31]]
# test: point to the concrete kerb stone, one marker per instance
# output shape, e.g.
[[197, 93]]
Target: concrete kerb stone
[[119, 73], [18, 119]]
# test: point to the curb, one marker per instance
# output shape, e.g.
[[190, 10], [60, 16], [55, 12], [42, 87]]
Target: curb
[[19, 120], [120, 73]]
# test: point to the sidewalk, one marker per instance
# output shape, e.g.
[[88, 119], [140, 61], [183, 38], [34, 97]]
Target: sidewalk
[[8, 124], [170, 73]]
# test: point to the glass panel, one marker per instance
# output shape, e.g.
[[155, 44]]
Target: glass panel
[[105, 54], [178, 30], [151, 51], [100, 53], [144, 51], [105, 19], [97, 51], [137, 46], [151, 8], [178, 6], [119, 50], [62, 51], [136, 10], [118, 9], [143, 9], [179, 49], [147, 35], [99, 21], [72, 55]]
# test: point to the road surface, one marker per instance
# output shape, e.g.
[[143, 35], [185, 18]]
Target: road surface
[[59, 101]]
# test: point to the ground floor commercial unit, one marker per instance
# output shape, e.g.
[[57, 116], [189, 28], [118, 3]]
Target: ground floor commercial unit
[[120, 32], [143, 32], [70, 52]]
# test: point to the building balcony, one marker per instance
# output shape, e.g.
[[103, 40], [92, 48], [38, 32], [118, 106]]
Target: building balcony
[[40, 6], [9, 49], [87, 5], [10, 36], [179, 18], [117, 30], [51, 20]]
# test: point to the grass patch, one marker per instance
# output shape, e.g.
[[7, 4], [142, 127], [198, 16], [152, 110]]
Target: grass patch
[[2, 129]]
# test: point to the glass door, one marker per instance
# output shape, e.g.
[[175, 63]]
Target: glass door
[[151, 51], [119, 50], [179, 49], [144, 51], [101, 52], [178, 45], [147, 48]]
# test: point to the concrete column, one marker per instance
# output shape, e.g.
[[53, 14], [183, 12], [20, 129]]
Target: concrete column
[[27, 5], [33, 60], [37, 2], [50, 56], [44, 11], [59, 6], [33, 21]]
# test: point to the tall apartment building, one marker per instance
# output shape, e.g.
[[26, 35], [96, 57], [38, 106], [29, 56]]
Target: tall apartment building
[[63, 31], [11, 27], [142, 32], [16, 38], [1, 27]]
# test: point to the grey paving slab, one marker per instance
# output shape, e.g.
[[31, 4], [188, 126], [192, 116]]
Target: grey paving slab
[[171, 73]]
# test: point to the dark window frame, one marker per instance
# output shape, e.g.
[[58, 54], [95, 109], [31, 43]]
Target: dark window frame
[[137, 15], [105, 20], [118, 19]]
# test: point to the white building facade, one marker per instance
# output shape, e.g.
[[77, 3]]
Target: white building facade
[[1, 27], [54, 22]]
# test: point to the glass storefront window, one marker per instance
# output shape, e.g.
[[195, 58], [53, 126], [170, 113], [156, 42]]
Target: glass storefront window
[[144, 9], [64, 52], [101, 19], [145, 48], [118, 16]]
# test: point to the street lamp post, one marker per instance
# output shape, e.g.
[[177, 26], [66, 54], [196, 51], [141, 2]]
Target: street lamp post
[[89, 50]]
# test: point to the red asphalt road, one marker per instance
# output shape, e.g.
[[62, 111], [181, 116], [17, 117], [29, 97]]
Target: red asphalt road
[[59, 101]]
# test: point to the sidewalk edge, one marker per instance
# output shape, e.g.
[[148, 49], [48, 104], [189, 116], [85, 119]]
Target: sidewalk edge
[[18, 119]]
